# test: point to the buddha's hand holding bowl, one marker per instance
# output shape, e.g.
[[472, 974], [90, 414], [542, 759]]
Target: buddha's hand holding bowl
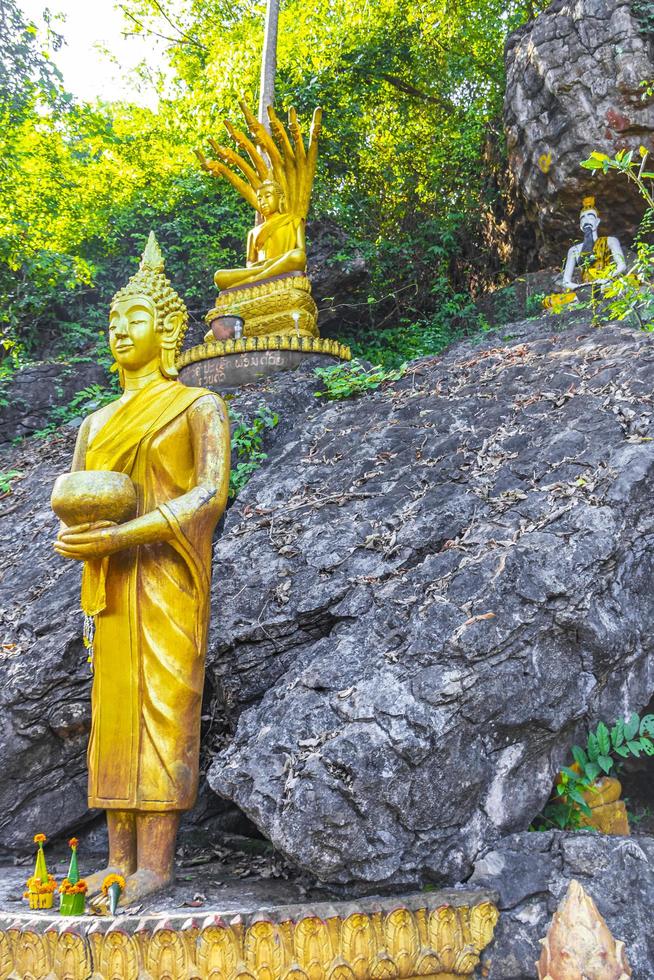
[[93, 496], [94, 505]]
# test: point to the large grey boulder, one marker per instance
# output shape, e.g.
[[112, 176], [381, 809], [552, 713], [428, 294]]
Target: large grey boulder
[[338, 276], [429, 594], [531, 873], [574, 79], [419, 602]]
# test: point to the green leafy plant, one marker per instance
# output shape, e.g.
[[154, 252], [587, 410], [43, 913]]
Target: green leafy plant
[[601, 755], [638, 817], [6, 480], [247, 443], [534, 304], [644, 13], [353, 378], [632, 294]]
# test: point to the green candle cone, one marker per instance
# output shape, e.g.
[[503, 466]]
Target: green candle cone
[[114, 892], [73, 871], [40, 868]]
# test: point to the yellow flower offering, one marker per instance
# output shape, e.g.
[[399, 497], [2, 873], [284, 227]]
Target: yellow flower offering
[[113, 880]]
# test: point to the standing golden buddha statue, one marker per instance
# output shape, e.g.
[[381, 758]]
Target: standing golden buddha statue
[[145, 583], [271, 293]]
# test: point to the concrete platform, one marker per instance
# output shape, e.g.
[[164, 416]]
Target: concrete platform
[[252, 930]]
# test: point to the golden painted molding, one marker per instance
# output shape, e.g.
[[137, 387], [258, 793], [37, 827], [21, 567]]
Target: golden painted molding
[[307, 345], [434, 939], [267, 307]]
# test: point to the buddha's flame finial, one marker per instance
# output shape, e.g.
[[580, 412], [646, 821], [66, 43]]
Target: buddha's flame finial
[[579, 944], [152, 258]]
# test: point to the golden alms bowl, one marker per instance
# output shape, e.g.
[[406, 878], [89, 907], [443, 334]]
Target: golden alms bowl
[[87, 496]]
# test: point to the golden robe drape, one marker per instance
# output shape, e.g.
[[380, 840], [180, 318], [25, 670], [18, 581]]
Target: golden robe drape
[[284, 229], [151, 633]]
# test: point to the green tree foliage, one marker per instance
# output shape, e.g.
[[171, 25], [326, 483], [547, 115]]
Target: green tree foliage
[[28, 77], [408, 91]]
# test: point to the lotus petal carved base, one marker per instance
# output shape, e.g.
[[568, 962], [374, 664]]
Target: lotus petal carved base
[[437, 934], [267, 307]]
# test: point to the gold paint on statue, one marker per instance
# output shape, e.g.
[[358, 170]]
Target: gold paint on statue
[[267, 307], [432, 944], [146, 581], [277, 182], [72, 960], [608, 811]]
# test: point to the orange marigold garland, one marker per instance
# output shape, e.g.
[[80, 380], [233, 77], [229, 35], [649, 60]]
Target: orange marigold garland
[[112, 880], [68, 888], [113, 887], [36, 886]]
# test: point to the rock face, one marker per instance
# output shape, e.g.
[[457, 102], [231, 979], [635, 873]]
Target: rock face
[[337, 277], [429, 593], [28, 398], [531, 874], [574, 85], [420, 601], [45, 688]]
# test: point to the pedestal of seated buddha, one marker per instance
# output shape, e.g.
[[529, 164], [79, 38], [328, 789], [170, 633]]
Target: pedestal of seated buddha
[[267, 307], [225, 365]]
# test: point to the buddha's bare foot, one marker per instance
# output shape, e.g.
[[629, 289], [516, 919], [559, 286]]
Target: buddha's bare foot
[[141, 884], [95, 880]]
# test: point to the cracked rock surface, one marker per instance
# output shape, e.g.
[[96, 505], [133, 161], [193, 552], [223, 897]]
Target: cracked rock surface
[[574, 77], [420, 601], [429, 593], [531, 873]]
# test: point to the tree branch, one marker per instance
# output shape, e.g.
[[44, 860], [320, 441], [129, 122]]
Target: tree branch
[[408, 89], [183, 39], [187, 37]]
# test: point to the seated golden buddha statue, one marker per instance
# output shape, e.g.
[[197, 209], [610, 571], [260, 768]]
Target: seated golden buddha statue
[[146, 580], [271, 292]]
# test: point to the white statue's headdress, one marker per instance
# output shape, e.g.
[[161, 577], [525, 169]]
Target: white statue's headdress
[[588, 204]]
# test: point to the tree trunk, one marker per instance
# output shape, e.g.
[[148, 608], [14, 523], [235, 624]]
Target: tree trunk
[[269, 62]]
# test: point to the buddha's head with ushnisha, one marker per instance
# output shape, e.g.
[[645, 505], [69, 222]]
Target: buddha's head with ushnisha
[[148, 319]]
